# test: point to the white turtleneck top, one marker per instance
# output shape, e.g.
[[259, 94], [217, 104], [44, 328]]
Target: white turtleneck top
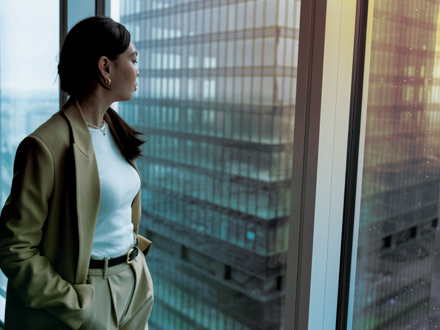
[[119, 185]]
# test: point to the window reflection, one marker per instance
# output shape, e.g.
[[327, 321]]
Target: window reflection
[[216, 99], [397, 276]]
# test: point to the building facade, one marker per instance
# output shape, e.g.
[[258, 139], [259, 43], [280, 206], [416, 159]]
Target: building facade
[[401, 171], [216, 102]]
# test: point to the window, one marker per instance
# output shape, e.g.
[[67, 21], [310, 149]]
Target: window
[[28, 80], [230, 92], [397, 272]]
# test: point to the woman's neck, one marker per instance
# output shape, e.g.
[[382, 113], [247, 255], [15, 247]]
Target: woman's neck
[[94, 107]]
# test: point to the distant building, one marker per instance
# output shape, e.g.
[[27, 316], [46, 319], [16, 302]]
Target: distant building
[[216, 99], [400, 192]]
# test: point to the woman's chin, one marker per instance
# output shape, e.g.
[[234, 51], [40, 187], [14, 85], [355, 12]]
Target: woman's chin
[[127, 97]]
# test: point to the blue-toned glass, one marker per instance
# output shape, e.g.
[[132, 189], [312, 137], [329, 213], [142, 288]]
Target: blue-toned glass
[[398, 268]]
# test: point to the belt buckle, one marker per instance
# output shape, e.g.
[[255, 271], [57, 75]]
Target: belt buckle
[[128, 256]]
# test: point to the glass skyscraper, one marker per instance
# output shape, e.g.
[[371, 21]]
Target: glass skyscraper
[[401, 171], [216, 101]]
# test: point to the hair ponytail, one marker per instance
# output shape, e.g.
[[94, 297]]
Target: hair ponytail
[[127, 135]]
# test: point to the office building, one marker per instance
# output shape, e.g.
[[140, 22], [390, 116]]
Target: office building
[[216, 101], [401, 172]]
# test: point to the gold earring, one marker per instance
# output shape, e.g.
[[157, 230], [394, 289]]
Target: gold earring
[[108, 81]]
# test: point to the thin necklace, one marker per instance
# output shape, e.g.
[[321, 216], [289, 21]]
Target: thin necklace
[[102, 129]]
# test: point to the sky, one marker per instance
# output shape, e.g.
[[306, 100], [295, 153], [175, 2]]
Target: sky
[[29, 42]]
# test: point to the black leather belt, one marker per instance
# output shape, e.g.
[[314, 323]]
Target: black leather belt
[[128, 258]]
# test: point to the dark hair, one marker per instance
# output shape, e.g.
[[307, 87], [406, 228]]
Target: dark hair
[[83, 46], [78, 69], [127, 135]]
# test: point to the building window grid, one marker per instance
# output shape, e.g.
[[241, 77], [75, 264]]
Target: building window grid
[[400, 191], [177, 293], [185, 153], [180, 212]]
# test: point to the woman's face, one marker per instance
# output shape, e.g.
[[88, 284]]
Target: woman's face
[[123, 74]]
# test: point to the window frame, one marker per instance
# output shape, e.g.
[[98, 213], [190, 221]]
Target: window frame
[[355, 150], [318, 206]]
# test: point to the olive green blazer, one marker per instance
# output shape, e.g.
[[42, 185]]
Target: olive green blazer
[[48, 222]]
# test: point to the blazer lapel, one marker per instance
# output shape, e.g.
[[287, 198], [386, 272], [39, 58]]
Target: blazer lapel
[[87, 185]]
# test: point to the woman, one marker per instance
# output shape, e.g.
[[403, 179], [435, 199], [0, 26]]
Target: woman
[[68, 231]]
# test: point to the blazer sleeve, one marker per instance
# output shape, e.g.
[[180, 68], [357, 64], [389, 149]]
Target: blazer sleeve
[[144, 244], [21, 223]]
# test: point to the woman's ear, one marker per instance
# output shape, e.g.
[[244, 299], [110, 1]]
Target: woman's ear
[[104, 67]]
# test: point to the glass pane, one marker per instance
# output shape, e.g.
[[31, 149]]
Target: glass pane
[[216, 101], [29, 39], [397, 271]]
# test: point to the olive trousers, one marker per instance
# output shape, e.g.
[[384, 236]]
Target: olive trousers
[[123, 296]]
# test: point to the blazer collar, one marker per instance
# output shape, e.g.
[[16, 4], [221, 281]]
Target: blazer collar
[[80, 131]]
